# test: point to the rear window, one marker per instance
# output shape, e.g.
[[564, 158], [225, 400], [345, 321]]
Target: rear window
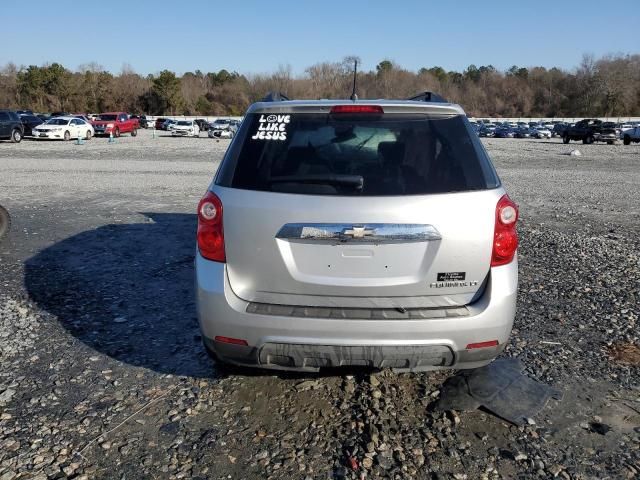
[[392, 154]]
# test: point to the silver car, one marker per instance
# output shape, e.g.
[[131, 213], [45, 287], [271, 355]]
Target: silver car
[[369, 233]]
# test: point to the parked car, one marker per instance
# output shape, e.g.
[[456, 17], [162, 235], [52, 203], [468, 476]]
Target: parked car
[[43, 116], [160, 123], [203, 124], [64, 128], [60, 114], [185, 128], [168, 123], [559, 129], [617, 127], [142, 121], [523, 132], [487, 130], [11, 127], [590, 130], [503, 132], [115, 123], [223, 128], [631, 135], [541, 132], [29, 122], [83, 117], [354, 236]]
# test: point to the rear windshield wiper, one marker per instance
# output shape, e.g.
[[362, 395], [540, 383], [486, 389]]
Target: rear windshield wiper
[[356, 181]]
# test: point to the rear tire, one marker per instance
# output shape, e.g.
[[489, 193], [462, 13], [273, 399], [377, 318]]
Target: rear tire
[[610, 142], [565, 139], [16, 136], [134, 132], [5, 222], [116, 132], [588, 140], [626, 140]]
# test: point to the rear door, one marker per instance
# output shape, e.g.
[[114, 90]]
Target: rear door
[[358, 211], [4, 124]]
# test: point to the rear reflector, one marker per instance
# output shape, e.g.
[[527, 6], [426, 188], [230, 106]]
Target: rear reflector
[[357, 109], [490, 343], [232, 341]]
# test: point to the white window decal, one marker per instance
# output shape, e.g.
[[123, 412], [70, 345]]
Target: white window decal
[[272, 127]]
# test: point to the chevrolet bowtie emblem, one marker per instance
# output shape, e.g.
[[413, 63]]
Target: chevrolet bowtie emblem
[[358, 232]]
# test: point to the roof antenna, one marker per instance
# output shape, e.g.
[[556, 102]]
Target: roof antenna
[[354, 95]]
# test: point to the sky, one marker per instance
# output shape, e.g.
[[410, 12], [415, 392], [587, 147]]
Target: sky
[[258, 36]]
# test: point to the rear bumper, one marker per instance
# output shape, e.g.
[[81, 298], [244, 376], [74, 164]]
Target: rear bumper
[[306, 344]]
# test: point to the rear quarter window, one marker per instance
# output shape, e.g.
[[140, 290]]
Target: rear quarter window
[[392, 154]]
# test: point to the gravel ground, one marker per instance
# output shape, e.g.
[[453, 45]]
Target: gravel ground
[[102, 374]]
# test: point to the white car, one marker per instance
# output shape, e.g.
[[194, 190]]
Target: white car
[[541, 132], [64, 128], [185, 128], [223, 128]]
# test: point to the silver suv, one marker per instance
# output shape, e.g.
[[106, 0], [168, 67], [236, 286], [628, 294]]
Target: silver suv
[[370, 233]]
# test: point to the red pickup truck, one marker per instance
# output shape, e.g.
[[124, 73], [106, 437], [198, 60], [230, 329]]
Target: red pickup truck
[[115, 123]]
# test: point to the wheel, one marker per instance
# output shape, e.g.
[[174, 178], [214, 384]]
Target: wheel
[[610, 142], [88, 135], [16, 136], [134, 132], [116, 132], [5, 222], [590, 139], [565, 139], [67, 136], [626, 140]]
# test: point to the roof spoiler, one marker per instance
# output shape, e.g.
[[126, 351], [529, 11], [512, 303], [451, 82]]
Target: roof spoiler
[[428, 97], [275, 97]]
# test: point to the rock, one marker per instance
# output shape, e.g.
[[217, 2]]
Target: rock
[[367, 463], [555, 469], [6, 396], [373, 381], [262, 455], [307, 385], [520, 457]]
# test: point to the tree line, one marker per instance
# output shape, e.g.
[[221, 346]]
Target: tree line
[[606, 86]]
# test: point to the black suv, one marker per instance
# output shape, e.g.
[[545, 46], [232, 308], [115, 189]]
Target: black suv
[[203, 124], [10, 126], [590, 130], [142, 120]]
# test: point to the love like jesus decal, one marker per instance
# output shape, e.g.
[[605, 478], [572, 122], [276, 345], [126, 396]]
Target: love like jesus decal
[[272, 127]]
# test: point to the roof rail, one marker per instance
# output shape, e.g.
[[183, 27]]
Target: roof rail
[[428, 97], [275, 97]]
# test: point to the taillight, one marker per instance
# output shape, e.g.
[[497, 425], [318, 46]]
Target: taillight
[[210, 234], [355, 108], [505, 237]]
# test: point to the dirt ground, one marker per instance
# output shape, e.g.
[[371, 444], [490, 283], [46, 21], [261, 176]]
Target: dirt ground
[[102, 373]]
